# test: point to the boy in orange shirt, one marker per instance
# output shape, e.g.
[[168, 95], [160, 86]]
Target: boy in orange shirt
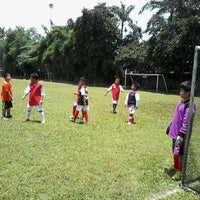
[[6, 97]]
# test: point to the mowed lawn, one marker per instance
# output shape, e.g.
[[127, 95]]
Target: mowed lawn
[[105, 159]]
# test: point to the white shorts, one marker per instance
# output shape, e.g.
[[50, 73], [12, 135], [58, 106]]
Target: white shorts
[[38, 107], [82, 107], [131, 109], [114, 101]]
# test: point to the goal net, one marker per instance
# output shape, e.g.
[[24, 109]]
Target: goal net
[[147, 81], [191, 161]]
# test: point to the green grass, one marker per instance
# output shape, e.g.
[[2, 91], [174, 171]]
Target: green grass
[[105, 159]]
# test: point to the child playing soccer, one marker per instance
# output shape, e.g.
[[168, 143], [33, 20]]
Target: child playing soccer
[[36, 94], [82, 103], [178, 128], [115, 89], [132, 101], [6, 97], [76, 101]]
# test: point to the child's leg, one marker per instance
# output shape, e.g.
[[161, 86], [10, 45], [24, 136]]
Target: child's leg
[[41, 111], [74, 109], [85, 114], [114, 107], [76, 115], [176, 162], [3, 109], [8, 113], [180, 165], [28, 112], [130, 118]]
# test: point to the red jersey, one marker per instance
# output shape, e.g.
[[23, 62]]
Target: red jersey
[[6, 89], [115, 88], [36, 92]]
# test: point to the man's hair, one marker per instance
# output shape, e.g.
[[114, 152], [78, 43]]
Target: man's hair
[[186, 86], [34, 75]]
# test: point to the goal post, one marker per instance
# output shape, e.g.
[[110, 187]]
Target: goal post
[[191, 163], [131, 75]]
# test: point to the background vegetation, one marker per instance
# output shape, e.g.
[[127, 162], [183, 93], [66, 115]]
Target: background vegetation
[[105, 159], [99, 46]]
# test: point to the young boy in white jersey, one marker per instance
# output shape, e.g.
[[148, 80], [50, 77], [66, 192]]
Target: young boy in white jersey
[[82, 103], [132, 102]]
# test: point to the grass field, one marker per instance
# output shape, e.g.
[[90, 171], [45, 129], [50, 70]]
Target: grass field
[[103, 160]]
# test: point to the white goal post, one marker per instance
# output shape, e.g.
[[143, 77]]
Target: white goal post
[[131, 74]]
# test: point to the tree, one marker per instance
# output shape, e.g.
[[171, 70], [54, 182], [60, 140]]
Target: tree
[[122, 14], [96, 39], [175, 32]]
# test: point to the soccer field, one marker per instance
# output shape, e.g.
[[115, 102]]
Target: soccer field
[[104, 159]]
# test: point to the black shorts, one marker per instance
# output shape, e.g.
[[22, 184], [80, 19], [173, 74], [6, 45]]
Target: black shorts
[[6, 104]]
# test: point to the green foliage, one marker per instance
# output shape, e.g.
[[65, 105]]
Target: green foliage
[[175, 32], [96, 36], [105, 159], [94, 45]]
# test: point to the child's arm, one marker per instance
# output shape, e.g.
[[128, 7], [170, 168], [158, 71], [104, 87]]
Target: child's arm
[[137, 98], [26, 92]]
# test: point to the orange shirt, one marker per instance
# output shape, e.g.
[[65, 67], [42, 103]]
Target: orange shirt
[[6, 89]]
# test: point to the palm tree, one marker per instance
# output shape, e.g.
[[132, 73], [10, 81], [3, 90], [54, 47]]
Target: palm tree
[[122, 14]]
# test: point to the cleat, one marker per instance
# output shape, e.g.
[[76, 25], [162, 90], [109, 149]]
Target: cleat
[[177, 176], [71, 118], [26, 120], [9, 116], [43, 121]]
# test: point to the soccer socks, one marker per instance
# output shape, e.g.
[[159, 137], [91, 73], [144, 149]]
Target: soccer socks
[[76, 115], [130, 118], [177, 163], [41, 115], [114, 107], [85, 114], [74, 110]]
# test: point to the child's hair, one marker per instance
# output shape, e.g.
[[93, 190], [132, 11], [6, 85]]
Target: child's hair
[[137, 85], [34, 75], [186, 86], [83, 78], [6, 75]]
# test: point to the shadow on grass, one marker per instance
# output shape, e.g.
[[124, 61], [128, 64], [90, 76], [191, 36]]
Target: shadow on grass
[[170, 172]]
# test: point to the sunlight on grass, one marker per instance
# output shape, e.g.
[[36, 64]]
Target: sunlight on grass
[[105, 159]]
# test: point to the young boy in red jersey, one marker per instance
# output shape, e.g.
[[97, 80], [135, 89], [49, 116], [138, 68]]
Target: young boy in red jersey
[[6, 97], [115, 89], [82, 103], [132, 102], [36, 94]]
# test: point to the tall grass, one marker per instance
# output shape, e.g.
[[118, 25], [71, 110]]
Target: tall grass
[[105, 159]]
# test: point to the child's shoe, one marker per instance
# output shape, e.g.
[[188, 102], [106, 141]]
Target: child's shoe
[[177, 176], [4, 118], [71, 118], [9, 116], [43, 121], [26, 120]]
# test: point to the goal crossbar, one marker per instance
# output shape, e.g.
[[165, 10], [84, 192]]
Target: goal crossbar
[[131, 74]]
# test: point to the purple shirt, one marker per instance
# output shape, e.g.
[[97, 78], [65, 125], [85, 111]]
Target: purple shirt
[[180, 120]]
